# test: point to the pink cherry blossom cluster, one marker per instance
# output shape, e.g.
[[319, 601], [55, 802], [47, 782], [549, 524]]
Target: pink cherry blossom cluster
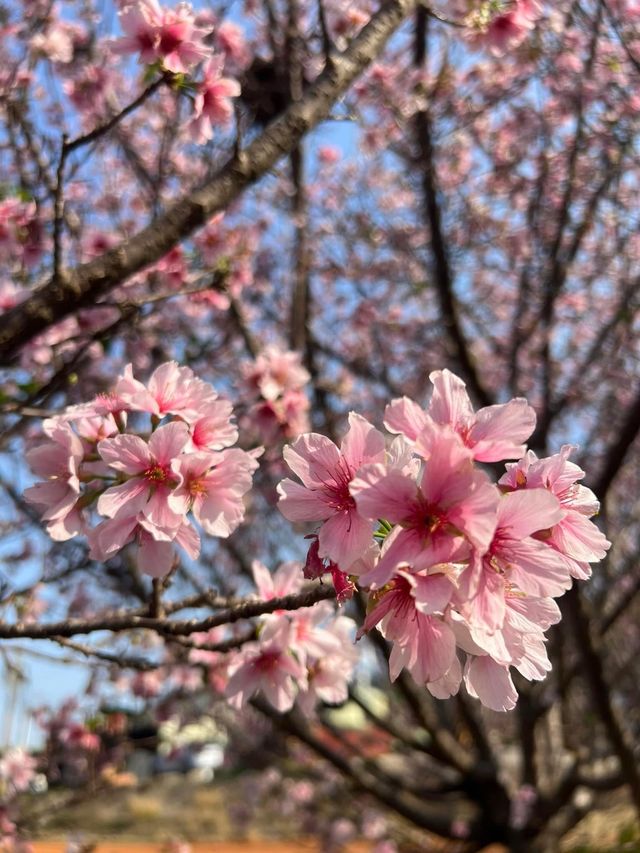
[[278, 379], [21, 234], [461, 571], [506, 28], [302, 656], [171, 38], [17, 769], [167, 36], [144, 483]]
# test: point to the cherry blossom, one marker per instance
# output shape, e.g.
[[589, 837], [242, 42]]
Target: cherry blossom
[[326, 473], [212, 104], [145, 486]]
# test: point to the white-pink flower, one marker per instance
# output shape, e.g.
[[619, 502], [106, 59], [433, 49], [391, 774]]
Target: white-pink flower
[[150, 476], [492, 434], [267, 666], [212, 103], [212, 486], [17, 769], [326, 474]]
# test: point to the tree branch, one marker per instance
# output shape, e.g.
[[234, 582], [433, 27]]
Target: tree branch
[[130, 621]]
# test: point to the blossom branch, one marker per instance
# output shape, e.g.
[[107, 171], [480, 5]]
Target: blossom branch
[[443, 274], [130, 621], [88, 282]]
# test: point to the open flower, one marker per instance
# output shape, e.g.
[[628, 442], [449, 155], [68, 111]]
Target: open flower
[[326, 474], [58, 461], [447, 513], [151, 477], [212, 103], [212, 486], [492, 434]]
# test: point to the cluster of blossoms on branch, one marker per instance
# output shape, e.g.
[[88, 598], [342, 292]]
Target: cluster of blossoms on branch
[[143, 475], [17, 771], [302, 656], [498, 25], [278, 379], [171, 39], [461, 572]]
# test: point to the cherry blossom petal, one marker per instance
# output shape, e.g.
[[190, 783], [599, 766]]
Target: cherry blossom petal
[[127, 453], [167, 442], [450, 403], [298, 503], [129, 497], [314, 458], [362, 443], [526, 511], [435, 650], [498, 431], [383, 493], [537, 569], [490, 683], [155, 558], [344, 537], [449, 684], [431, 593], [406, 417]]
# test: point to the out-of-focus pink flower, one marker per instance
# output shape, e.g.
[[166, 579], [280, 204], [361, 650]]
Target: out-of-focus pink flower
[[230, 39], [140, 22], [274, 372], [179, 45], [269, 667], [285, 581], [21, 233], [17, 769], [56, 43], [505, 30], [165, 35]]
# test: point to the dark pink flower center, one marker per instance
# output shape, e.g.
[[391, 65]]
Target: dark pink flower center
[[425, 518], [267, 661], [336, 489], [171, 38]]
